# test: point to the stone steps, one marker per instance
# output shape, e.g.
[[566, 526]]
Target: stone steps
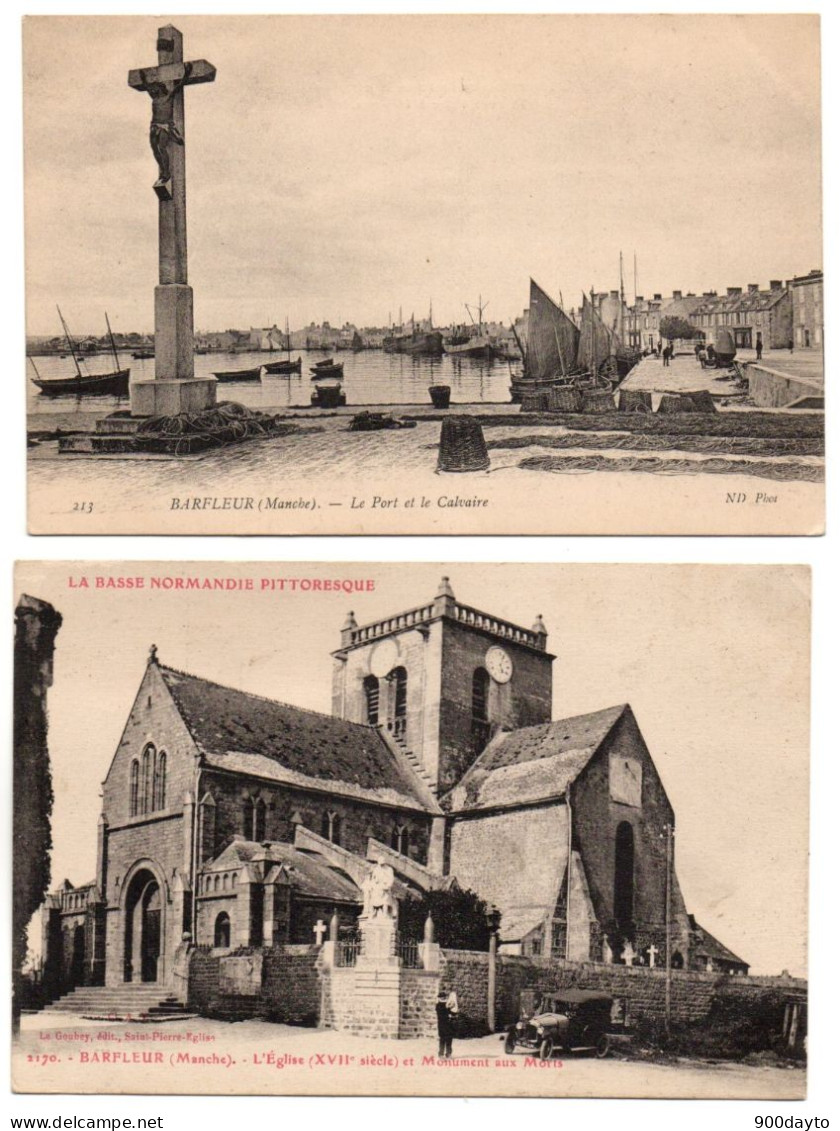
[[120, 1000]]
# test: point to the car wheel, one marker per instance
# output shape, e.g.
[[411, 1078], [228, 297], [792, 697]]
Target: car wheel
[[510, 1044], [546, 1048], [602, 1045]]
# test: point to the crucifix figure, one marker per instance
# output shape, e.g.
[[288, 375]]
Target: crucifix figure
[[163, 129], [652, 952], [165, 86], [319, 929]]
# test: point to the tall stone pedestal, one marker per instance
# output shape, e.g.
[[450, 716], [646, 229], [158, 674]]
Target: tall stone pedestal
[[379, 937], [175, 387]]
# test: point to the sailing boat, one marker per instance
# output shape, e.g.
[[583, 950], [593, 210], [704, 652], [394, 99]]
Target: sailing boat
[[85, 384], [550, 355], [287, 366]]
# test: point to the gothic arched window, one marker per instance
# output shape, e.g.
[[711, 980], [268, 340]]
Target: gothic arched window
[[399, 839], [331, 827], [248, 818], [480, 709], [623, 896], [147, 800], [221, 930], [370, 686], [259, 820], [134, 789], [160, 781]]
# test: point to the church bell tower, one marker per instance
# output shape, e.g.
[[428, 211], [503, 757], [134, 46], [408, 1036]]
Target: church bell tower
[[442, 679]]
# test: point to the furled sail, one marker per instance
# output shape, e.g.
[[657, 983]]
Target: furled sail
[[552, 346], [597, 342]]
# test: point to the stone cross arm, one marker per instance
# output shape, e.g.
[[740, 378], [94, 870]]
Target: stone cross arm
[[200, 71]]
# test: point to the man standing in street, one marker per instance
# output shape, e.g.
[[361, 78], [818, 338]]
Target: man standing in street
[[445, 1026]]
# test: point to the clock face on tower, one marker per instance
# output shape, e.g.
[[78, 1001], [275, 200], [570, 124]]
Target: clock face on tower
[[499, 664]]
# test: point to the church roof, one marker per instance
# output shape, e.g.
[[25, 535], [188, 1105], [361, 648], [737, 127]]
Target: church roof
[[708, 946], [533, 763], [235, 730], [310, 875], [517, 922]]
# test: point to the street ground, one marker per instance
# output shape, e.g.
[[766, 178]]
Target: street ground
[[60, 1053]]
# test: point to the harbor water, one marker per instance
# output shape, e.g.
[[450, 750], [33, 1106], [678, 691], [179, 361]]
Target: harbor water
[[371, 377]]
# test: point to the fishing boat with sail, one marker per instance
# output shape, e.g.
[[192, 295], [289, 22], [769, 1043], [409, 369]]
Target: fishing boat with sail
[[285, 367], [114, 383], [601, 351], [550, 352]]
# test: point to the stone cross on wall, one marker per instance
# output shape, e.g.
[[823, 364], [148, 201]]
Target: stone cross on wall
[[174, 388], [652, 952], [320, 929]]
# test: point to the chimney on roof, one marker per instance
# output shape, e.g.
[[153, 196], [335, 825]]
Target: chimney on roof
[[657, 298], [640, 298], [815, 271], [613, 294], [677, 295], [752, 288], [733, 290], [775, 284]]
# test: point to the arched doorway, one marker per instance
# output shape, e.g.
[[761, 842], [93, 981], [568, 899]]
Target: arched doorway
[[143, 928]]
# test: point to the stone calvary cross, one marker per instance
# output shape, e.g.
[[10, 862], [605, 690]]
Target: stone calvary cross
[[175, 387]]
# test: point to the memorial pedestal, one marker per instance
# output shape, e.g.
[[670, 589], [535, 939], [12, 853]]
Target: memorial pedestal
[[175, 387]]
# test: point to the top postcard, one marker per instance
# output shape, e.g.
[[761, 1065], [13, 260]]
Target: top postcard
[[444, 275]]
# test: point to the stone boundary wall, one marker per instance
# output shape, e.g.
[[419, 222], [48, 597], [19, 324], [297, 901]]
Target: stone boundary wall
[[290, 988], [693, 993]]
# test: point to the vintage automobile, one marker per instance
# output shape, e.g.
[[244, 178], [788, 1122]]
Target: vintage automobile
[[565, 1021]]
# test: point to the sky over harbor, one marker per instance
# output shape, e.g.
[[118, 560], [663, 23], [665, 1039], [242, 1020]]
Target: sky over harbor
[[718, 685], [342, 168]]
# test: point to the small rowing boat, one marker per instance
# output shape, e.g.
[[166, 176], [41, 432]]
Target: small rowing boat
[[282, 367], [235, 375]]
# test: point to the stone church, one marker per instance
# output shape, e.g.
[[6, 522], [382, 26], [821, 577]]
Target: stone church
[[230, 820]]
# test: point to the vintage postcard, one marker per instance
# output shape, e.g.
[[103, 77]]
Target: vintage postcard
[[499, 830], [424, 275]]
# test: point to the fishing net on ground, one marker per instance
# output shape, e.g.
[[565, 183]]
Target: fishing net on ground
[[762, 469], [187, 432]]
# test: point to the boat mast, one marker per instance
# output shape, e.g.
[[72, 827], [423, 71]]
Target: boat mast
[[69, 341], [113, 343], [637, 342], [621, 296]]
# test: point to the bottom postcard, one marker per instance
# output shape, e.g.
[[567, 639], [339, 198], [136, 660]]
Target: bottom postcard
[[499, 830]]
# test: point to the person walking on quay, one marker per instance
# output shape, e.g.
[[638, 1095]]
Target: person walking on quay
[[666, 354], [759, 346], [445, 1024]]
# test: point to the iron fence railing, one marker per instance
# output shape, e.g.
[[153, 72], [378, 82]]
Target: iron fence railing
[[347, 951]]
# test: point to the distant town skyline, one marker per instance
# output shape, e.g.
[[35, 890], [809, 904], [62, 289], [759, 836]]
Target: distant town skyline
[[395, 160]]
